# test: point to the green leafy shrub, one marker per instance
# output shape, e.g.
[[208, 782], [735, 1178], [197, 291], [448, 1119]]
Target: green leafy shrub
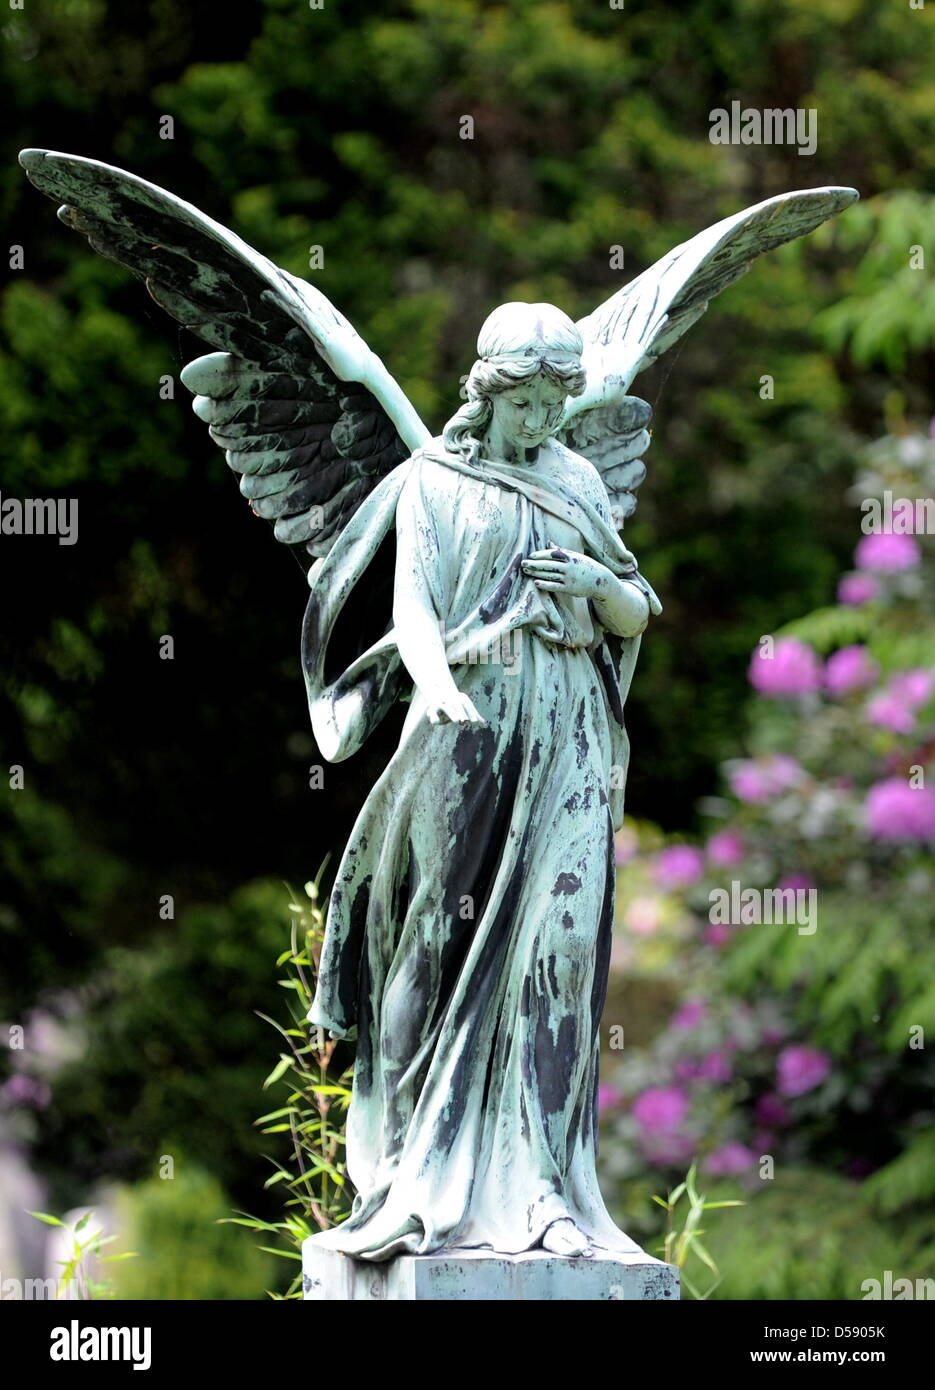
[[317, 1076]]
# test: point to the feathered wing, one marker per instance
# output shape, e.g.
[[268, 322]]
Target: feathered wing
[[633, 328], [308, 416]]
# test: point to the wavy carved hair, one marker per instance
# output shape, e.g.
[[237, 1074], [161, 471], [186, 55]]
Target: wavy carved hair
[[517, 342]]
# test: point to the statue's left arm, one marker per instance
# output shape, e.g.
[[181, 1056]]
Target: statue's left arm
[[619, 604]]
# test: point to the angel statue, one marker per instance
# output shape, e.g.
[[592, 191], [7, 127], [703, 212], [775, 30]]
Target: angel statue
[[479, 575]]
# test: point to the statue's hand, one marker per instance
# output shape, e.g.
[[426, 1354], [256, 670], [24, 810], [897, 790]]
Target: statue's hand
[[569, 572], [455, 709]]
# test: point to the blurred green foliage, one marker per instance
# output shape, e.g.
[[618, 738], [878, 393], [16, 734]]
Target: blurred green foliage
[[340, 128], [811, 1234], [184, 1249], [168, 1054]]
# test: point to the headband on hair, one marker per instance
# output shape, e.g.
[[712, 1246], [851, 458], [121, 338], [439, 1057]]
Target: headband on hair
[[525, 355]]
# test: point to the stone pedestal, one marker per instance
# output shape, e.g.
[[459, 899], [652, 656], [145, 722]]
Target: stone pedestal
[[464, 1276]]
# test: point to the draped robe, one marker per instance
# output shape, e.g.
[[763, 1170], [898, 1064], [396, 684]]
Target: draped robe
[[468, 934]]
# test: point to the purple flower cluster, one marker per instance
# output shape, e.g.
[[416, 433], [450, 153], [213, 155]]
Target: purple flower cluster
[[849, 669], [800, 825], [789, 668], [897, 811], [670, 1128], [758, 780], [887, 553], [725, 849], [677, 866], [794, 669], [857, 589], [895, 706], [800, 1069]]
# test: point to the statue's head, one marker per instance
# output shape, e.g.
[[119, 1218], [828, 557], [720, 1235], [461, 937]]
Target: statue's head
[[529, 363]]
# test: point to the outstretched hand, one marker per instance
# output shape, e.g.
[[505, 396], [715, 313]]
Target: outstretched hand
[[568, 572]]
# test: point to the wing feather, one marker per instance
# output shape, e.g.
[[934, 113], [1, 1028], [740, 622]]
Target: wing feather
[[635, 326], [308, 416]]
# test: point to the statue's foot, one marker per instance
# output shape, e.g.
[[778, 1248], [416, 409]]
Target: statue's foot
[[564, 1238]]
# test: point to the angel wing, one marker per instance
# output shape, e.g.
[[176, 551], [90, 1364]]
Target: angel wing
[[307, 414], [633, 328]]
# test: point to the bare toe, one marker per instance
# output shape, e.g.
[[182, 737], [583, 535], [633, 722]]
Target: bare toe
[[564, 1238]]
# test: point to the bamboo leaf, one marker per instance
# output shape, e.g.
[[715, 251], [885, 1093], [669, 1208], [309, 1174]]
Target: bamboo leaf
[[44, 1216], [280, 1069], [703, 1255]]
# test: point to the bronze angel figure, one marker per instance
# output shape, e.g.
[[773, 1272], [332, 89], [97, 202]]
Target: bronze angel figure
[[480, 575]]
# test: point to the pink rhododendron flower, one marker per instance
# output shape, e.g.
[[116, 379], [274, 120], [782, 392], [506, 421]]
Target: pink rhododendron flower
[[689, 1015], [798, 883], [725, 849], [607, 1097], [892, 707], [793, 669], [715, 1067], [685, 1070], [750, 783], [856, 589], [912, 688], [678, 865], [887, 712], [886, 553], [849, 669], [668, 1150], [718, 934], [771, 1111], [896, 811], [20, 1089], [732, 1157], [642, 915], [626, 845], [759, 780], [800, 1069], [660, 1109]]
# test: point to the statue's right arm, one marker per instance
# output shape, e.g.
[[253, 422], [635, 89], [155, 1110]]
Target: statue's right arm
[[422, 649], [419, 611]]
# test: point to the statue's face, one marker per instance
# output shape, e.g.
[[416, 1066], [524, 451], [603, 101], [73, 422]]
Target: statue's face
[[526, 414]]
